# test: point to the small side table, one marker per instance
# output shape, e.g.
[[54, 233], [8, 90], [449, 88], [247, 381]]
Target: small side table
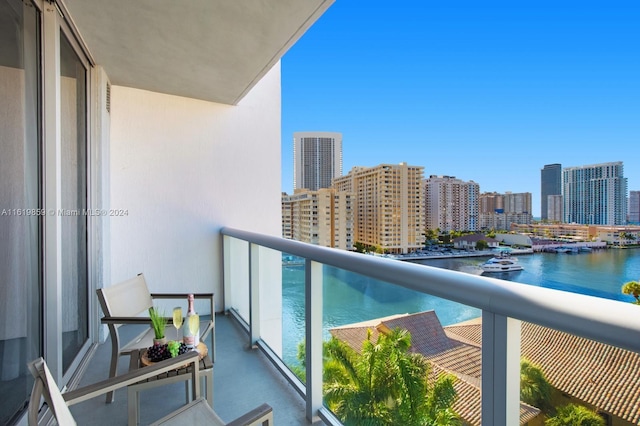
[[182, 374]]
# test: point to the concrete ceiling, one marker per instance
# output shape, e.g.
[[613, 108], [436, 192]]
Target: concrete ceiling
[[215, 50]]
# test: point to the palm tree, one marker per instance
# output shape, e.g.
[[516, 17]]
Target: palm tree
[[534, 388], [385, 384], [575, 415], [633, 288]]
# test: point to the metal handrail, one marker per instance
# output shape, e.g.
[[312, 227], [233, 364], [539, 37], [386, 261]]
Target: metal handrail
[[607, 321]]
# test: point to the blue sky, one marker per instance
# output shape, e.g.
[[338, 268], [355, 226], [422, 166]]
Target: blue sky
[[484, 91]]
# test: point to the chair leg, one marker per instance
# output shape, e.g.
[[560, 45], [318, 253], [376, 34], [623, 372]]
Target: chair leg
[[115, 355], [133, 409], [113, 370], [208, 385]]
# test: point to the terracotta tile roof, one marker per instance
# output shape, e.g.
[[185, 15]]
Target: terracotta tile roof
[[457, 356], [601, 375], [468, 404]]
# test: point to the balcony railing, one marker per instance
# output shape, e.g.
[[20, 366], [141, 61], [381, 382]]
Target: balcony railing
[[249, 258]]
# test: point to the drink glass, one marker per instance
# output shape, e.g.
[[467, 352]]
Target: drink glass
[[194, 325], [177, 320]]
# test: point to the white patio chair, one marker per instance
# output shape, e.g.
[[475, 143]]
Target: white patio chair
[[196, 412], [124, 303]]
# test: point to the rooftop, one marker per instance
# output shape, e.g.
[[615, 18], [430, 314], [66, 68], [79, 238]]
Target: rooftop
[[590, 371], [585, 369], [447, 355]]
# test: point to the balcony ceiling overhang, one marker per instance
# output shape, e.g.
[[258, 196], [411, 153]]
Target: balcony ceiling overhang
[[214, 50]]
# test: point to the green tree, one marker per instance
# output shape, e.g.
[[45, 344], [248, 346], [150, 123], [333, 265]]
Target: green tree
[[430, 236], [481, 245], [534, 388], [622, 238], [633, 288], [575, 415], [385, 384]]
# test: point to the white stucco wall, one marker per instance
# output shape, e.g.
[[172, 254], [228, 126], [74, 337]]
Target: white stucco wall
[[184, 168]]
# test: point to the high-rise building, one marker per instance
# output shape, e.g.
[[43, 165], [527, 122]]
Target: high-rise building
[[388, 206], [550, 184], [319, 217], [634, 207], [595, 194], [317, 159], [554, 208], [451, 204], [343, 225], [499, 211]]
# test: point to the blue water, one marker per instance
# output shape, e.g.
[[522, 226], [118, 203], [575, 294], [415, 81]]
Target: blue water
[[350, 298]]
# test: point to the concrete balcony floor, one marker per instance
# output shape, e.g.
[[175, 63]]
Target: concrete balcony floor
[[243, 379]]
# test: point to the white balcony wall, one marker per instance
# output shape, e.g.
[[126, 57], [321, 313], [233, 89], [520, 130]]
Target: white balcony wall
[[181, 169]]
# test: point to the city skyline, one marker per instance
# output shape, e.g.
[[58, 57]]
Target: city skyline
[[489, 93]]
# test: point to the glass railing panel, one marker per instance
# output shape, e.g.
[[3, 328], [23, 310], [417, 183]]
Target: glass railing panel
[[267, 270], [236, 276], [358, 308], [293, 312]]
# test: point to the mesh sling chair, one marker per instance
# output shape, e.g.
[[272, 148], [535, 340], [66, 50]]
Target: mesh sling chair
[[124, 303], [196, 412]]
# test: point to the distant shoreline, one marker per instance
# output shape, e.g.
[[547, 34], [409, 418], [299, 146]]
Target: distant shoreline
[[440, 255], [452, 255]]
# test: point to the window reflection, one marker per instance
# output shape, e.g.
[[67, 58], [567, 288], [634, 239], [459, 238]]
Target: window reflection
[[74, 202]]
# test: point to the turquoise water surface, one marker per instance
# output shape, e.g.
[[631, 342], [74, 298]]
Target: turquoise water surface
[[350, 298]]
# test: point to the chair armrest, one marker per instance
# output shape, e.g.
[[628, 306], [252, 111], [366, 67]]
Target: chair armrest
[[181, 295], [189, 359], [130, 320], [257, 416], [125, 320]]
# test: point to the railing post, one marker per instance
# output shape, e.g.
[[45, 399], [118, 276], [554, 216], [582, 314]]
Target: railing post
[[254, 293], [226, 272], [313, 337], [500, 370]]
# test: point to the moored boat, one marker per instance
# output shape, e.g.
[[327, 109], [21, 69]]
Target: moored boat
[[563, 250], [501, 264]]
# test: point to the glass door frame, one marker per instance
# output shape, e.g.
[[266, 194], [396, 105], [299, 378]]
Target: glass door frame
[[55, 25]]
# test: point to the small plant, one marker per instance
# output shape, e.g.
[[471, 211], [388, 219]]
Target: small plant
[[632, 288], [158, 322]]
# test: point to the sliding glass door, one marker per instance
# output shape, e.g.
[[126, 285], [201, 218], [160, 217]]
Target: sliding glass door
[[20, 202], [44, 279]]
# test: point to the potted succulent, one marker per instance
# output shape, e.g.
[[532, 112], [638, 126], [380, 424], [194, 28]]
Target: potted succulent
[[158, 323]]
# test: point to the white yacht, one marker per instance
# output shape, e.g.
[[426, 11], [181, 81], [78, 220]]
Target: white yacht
[[501, 264]]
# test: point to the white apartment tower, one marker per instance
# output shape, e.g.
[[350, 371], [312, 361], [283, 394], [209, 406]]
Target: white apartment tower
[[595, 194], [388, 206], [451, 204], [317, 159]]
